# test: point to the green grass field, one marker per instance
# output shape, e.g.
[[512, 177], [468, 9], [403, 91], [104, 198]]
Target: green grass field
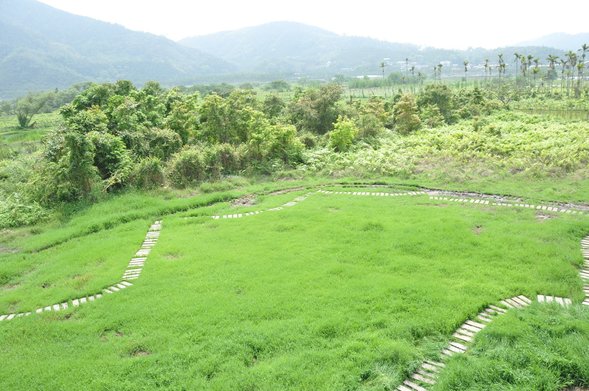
[[338, 292]]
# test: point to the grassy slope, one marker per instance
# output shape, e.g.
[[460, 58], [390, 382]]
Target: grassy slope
[[10, 132], [334, 293], [542, 348]]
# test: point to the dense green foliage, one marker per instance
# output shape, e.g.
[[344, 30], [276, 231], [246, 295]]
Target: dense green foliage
[[115, 136]]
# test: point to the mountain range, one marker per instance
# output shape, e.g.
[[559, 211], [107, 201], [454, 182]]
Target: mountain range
[[44, 48]]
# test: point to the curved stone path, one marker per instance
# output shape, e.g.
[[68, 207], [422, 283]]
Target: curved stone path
[[131, 273], [462, 338], [426, 375]]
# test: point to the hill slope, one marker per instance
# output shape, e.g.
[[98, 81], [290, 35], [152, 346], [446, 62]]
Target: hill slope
[[560, 41], [43, 48], [287, 47]]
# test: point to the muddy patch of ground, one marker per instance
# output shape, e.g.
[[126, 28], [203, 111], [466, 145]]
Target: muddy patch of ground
[[286, 191], [8, 250], [478, 229], [544, 216], [248, 200]]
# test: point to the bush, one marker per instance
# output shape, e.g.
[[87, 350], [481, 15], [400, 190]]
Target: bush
[[187, 168], [148, 173], [110, 154], [343, 134], [163, 143], [431, 116], [405, 112], [16, 212], [228, 158]]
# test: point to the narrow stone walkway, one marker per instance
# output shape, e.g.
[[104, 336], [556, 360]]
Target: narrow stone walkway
[[426, 375], [482, 201], [131, 273], [248, 214], [463, 337]]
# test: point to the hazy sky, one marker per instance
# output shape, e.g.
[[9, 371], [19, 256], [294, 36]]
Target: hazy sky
[[440, 23]]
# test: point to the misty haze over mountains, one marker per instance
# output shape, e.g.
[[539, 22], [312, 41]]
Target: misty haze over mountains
[[44, 48]]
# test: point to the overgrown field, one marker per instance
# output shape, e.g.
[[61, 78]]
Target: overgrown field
[[336, 293]]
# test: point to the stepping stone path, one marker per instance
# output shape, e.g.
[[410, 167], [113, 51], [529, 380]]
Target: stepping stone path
[[373, 193], [426, 375], [131, 273], [510, 204], [240, 215], [584, 273], [428, 372], [463, 337]]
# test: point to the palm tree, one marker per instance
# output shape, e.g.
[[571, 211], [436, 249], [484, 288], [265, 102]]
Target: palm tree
[[440, 66], [501, 66], [486, 68], [580, 68], [536, 69], [552, 60], [572, 62], [517, 59], [563, 65], [584, 49], [465, 68]]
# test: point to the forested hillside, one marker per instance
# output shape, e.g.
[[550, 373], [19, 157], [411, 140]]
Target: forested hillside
[[287, 48], [44, 48]]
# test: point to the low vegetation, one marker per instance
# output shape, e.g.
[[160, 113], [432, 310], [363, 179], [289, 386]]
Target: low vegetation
[[334, 293], [358, 307]]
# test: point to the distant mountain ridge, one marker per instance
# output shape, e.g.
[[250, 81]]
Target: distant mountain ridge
[[562, 41], [45, 48], [288, 47]]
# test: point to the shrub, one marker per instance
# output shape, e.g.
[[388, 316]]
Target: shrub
[[16, 212], [110, 154], [187, 167], [405, 113], [163, 143], [431, 116], [148, 173], [343, 134]]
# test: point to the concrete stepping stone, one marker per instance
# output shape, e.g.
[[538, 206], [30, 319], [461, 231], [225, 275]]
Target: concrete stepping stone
[[470, 328], [10, 317], [541, 298], [458, 346], [430, 367], [424, 379], [413, 386], [2, 317], [475, 324], [509, 304], [519, 301], [498, 309], [462, 336], [525, 299], [484, 318]]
